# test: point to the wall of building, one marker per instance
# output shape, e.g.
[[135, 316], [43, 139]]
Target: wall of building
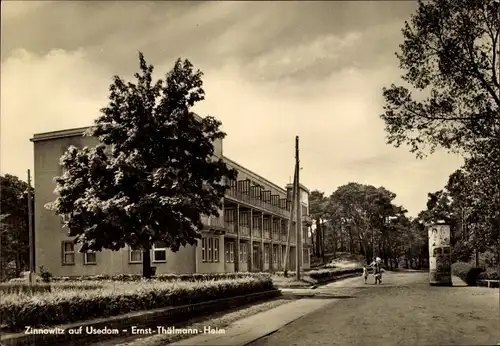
[[211, 267], [49, 233], [48, 227]]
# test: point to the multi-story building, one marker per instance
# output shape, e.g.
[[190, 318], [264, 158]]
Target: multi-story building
[[249, 235]]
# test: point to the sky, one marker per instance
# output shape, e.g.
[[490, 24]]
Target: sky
[[272, 71]]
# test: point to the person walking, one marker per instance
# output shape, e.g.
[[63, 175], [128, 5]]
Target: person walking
[[365, 273], [377, 271]]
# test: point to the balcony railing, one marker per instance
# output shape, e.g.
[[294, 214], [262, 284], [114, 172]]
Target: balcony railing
[[257, 232], [244, 230], [230, 226], [212, 222], [243, 197], [267, 234], [276, 235]]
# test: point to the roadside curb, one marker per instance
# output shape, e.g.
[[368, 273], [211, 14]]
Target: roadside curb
[[120, 325]]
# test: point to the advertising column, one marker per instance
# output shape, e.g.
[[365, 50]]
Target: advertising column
[[439, 255]]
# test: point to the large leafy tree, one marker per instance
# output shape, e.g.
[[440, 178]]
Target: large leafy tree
[[451, 59], [154, 174], [365, 211], [14, 233], [450, 54]]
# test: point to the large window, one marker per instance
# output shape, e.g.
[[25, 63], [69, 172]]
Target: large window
[[275, 254], [305, 254], [159, 252], [245, 219], [243, 252], [68, 252], [135, 256], [90, 257], [210, 249], [229, 215], [229, 252], [266, 253]]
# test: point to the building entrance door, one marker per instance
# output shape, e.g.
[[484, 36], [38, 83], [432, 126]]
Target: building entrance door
[[256, 259]]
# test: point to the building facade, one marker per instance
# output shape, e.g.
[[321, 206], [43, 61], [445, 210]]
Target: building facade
[[249, 235]]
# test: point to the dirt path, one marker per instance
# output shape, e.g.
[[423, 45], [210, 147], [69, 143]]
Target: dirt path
[[404, 310]]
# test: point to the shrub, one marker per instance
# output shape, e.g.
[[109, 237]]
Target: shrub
[[328, 274], [66, 306], [45, 275], [461, 252], [161, 277], [466, 272], [489, 274], [26, 288], [15, 287]]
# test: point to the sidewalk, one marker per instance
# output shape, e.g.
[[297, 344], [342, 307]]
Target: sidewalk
[[257, 326], [254, 327]]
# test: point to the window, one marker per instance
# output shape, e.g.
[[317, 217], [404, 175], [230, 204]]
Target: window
[[215, 250], [305, 254], [244, 219], [275, 254], [210, 249], [229, 215], [304, 210], [229, 252], [68, 252], [204, 249], [159, 252], [135, 256], [90, 257], [266, 253], [243, 252]]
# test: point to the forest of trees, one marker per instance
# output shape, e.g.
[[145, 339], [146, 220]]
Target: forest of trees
[[363, 219]]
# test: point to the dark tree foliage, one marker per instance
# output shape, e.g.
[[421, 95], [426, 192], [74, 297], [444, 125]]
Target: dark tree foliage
[[14, 233], [451, 59], [155, 173], [450, 55]]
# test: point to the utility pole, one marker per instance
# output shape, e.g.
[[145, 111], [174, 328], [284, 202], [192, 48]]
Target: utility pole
[[298, 224], [30, 230], [290, 223]]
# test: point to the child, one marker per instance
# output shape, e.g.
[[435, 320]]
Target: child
[[377, 271], [365, 273]]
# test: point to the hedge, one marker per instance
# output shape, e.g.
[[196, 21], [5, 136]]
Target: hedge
[[327, 274], [160, 277], [468, 273], [324, 274], [66, 306], [489, 274], [24, 287]]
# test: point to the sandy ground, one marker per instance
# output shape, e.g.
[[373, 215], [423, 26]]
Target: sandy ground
[[404, 310]]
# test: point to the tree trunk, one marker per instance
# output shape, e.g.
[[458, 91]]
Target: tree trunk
[[318, 236], [18, 264], [322, 245], [341, 238], [146, 264], [351, 241], [313, 244]]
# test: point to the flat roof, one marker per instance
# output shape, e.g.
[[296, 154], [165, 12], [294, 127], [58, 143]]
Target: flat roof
[[79, 131]]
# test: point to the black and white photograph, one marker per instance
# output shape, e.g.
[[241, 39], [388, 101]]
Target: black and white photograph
[[250, 173]]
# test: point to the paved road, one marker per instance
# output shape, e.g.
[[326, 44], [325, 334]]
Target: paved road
[[404, 310]]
